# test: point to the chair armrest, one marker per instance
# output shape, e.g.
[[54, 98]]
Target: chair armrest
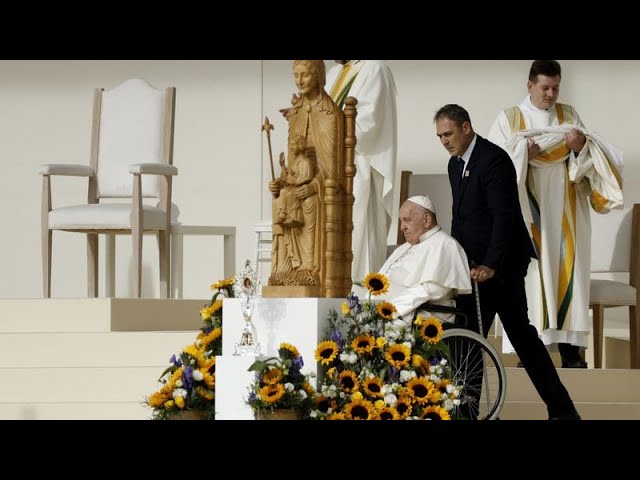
[[153, 169], [66, 169], [462, 320]]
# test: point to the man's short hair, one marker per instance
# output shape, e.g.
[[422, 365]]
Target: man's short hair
[[548, 68], [453, 112]]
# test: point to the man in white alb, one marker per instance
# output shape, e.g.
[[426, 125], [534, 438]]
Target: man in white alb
[[430, 266], [372, 84], [562, 169]]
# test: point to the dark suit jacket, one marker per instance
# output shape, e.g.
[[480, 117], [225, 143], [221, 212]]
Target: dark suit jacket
[[487, 220]]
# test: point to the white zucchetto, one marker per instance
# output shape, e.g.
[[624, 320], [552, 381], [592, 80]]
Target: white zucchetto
[[423, 201]]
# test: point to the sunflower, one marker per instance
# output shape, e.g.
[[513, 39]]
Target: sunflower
[[376, 283], [420, 389], [386, 310], [398, 355], [272, 376], [291, 349], [326, 352], [336, 416], [360, 410], [403, 407], [442, 386], [348, 382], [388, 413], [435, 413], [373, 387], [431, 330], [363, 344], [324, 404], [223, 284], [271, 393]]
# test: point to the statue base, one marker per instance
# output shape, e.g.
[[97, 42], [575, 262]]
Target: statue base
[[285, 291]]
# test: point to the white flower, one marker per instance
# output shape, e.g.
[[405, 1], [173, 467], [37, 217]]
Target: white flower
[[406, 375], [456, 402], [289, 387], [443, 362], [313, 414], [197, 375], [448, 405], [390, 399], [179, 392], [179, 383], [303, 394]]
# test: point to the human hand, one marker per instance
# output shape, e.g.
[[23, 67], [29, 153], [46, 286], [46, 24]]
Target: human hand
[[533, 149], [482, 273], [294, 99], [275, 186], [575, 139], [304, 191]]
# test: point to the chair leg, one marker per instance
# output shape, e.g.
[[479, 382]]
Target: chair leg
[[163, 251], [137, 263], [110, 266], [598, 332], [46, 263], [634, 337], [176, 263], [92, 265]]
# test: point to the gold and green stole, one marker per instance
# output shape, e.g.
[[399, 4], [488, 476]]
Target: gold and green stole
[[345, 80], [566, 267]]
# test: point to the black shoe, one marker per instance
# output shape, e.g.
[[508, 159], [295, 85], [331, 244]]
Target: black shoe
[[572, 416], [574, 364]]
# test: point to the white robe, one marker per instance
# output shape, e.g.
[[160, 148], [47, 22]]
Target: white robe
[[375, 160], [435, 270], [591, 170]]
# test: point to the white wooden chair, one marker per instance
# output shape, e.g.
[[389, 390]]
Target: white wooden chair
[[615, 248], [131, 159], [436, 186]]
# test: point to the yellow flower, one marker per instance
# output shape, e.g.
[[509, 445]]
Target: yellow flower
[[348, 382], [376, 283], [435, 413], [420, 389], [360, 410], [373, 387], [345, 309], [271, 393], [357, 396], [290, 348], [380, 342], [404, 407], [272, 376], [388, 413], [331, 372], [379, 404], [398, 355], [179, 402], [219, 285], [326, 352], [431, 330], [386, 310], [363, 344]]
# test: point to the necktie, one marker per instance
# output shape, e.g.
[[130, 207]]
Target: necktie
[[460, 167]]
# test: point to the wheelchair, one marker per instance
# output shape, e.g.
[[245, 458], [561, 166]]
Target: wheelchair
[[474, 363]]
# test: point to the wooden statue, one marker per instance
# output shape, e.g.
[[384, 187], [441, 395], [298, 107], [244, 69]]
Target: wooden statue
[[313, 199]]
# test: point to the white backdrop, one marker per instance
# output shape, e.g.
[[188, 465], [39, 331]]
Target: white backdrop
[[45, 117]]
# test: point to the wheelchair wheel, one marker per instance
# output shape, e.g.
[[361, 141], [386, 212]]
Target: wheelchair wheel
[[476, 365]]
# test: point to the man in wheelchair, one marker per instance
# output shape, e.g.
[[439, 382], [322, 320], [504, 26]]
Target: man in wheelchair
[[430, 266]]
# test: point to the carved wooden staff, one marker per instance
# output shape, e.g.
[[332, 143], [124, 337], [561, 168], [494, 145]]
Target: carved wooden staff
[[267, 127]]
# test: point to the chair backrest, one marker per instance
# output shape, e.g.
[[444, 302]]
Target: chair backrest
[[611, 240], [132, 123], [437, 187]]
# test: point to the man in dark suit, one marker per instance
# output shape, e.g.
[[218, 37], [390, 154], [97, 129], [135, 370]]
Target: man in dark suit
[[487, 222]]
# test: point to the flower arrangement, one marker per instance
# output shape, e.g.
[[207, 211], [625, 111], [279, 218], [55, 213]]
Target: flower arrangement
[[188, 384], [375, 365], [279, 384]]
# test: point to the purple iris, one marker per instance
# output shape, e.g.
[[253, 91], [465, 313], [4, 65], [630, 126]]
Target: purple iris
[[354, 302], [176, 361], [298, 363], [187, 378], [336, 336]]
